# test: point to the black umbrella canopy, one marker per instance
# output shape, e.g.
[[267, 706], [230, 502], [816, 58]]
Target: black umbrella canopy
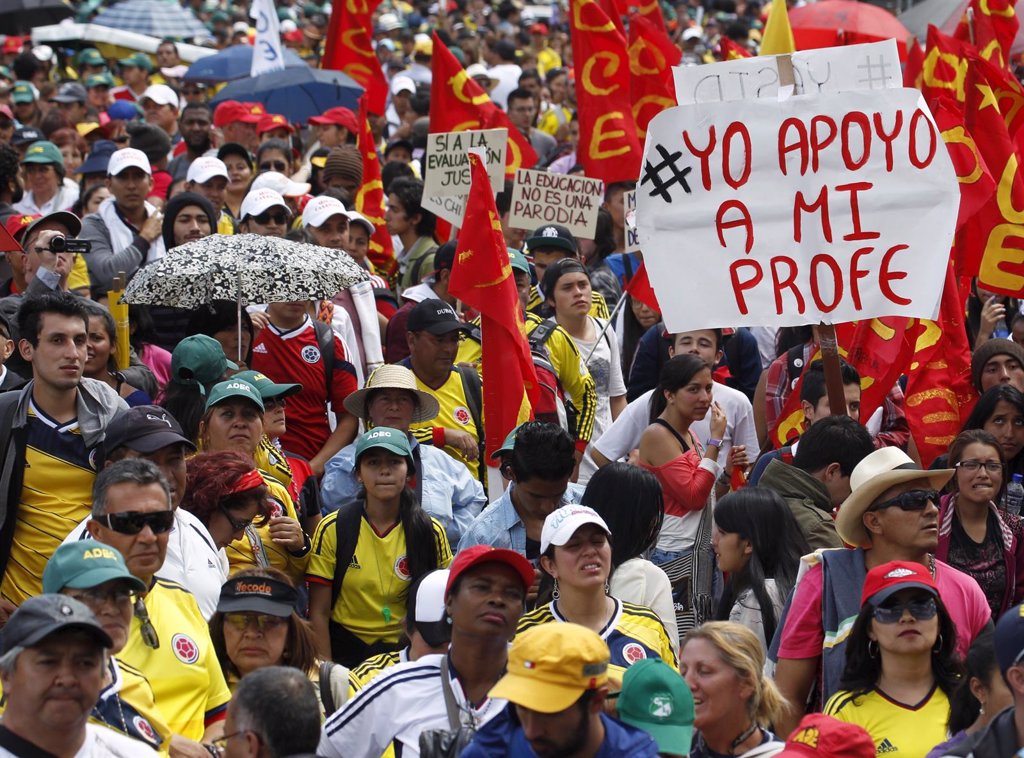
[[20, 16]]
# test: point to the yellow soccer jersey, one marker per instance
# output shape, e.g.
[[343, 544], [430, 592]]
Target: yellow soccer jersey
[[56, 496], [136, 715], [633, 633], [242, 553], [454, 414], [225, 224], [568, 364], [899, 730], [372, 600], [373, 667], [186, 677], [78, 279]]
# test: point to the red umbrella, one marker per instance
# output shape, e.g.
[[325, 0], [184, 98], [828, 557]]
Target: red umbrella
[[831, 23]]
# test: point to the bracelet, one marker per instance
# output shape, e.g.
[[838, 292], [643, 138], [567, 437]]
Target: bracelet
[[715, 443]]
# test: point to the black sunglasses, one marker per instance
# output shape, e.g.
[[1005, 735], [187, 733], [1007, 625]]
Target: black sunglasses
[[271, 218], [915, 500], [273, 166], [133, 522], [922, 610], [236, 524]]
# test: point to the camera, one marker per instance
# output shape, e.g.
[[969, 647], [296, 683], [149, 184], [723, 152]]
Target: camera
[[65, 245]]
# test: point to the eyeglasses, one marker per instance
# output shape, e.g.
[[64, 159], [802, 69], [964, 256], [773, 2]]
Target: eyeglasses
[[915, 500], [222, 743], [271, 218], [133, 522], [273, 166], [96, 596], [991, 467], [263, 621], [237, 525], [922, 610]]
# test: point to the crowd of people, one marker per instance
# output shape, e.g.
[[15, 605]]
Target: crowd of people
[[271, 530]]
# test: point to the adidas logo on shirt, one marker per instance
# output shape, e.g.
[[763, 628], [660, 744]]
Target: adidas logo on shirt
[[354, 564], [260, 348], [886, 747]]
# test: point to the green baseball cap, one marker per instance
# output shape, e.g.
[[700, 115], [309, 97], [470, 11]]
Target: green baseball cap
[[83, 564], [268, 388], [99, 80], [656, 699], [234, 388], [23, 93], [390, 439], [199, 359], [90, 57], [519, 263], [510, 438], [220, 16], [5, 73], [43, 152], [140, 60]]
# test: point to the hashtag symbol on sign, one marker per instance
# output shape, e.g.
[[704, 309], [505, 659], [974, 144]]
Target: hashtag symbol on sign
[[659, 186], [869, 67]]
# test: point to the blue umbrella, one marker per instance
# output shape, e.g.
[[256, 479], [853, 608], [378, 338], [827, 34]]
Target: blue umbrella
[[296, 93], [231, 63], [157, 18]]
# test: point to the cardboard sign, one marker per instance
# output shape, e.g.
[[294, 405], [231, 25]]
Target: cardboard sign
[[446, 165], [451, 208], [778, 213], [541, 197], [632, 233], [871, 66]]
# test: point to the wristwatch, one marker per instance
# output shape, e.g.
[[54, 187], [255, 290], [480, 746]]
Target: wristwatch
[[716, 443]]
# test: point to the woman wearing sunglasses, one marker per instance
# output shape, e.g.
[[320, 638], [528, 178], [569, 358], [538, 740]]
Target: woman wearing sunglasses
[[226, 494], [233, 421], [256, 626], [901, 662], [975, 536]]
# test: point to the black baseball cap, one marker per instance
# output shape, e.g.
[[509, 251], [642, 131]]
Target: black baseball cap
[[435, 316], [1008, 638], [144, 429], [551, 235], [444, 257], [257, 594], [26, 135], [42, 615]]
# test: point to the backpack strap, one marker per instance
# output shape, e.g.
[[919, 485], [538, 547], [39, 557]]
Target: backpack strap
[[9, 473], [326, 695], [347, 524], [539, 336], [472, 388], [325, 339]]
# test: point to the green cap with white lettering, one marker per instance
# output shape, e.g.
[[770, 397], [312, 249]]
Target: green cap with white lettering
[[84, 564], [389, 439], [234, 388]]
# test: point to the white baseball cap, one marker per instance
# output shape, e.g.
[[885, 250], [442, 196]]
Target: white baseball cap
[[402, 83], [355, 217], [562, 523], [321, 208], [478, 69], [259, 200], [161, 94], [281, 184], [205, 168], [126, 158]]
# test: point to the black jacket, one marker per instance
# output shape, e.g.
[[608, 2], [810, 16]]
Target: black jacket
[[997, 740]]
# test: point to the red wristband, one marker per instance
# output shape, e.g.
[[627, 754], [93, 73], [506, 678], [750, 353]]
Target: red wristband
[[437, 436]]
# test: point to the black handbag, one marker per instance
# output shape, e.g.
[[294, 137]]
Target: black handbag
[[447, 743]]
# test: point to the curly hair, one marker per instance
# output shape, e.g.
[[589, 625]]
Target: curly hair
[[299, 646], [210, 479]]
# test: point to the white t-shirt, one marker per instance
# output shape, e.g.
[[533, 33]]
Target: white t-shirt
[[507, 76], [602, 357], [624, 434], [101, 742], [192, 560]]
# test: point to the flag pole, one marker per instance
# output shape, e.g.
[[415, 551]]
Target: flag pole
[[611, 317]]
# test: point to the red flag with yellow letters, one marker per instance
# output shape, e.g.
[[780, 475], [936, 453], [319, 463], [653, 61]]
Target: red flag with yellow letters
[[458, 103], [482, 279], [609, 148], [349, 48], [992, 28], [651, 58], [369, 201]]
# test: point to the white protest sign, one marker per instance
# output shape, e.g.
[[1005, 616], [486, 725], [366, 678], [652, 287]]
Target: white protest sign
[[266, 53], [632, 234], [446, 165], [451, 208], [871, 66], [541, 197], [831, 208]]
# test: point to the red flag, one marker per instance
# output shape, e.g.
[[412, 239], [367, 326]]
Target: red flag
[[730, 51], [651, 58], [652, 12], [944, 71], [914, 68], [369, 201], [349, 49], [976, 184], [482, 279], [991, 28], [7, 243], [639, 288], [458, 103], [939, 395], [609, 148]]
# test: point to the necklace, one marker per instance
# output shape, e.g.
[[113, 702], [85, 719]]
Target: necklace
[[385, 610], [704, 751], [931, 564]]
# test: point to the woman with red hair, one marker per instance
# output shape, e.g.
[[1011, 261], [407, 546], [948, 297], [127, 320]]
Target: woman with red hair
[[226, 493]]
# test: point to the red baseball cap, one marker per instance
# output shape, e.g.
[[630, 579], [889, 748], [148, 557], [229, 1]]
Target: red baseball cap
[[341, 116], [6, 111], [273, 121], [886, 580], [232, 110], [13, 45], [821, 735], [18, 223], [479, 554]]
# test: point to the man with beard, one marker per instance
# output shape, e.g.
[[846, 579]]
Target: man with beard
[[194, 126]]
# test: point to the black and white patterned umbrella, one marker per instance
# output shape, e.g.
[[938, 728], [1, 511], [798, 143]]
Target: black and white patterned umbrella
[[247, 268]]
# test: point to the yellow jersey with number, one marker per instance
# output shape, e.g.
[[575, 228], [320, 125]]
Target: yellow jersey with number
[[372, 600], [899, 730]]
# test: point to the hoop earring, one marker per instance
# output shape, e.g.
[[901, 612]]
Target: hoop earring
[[938, 644], [554, 592], [872, 651]]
